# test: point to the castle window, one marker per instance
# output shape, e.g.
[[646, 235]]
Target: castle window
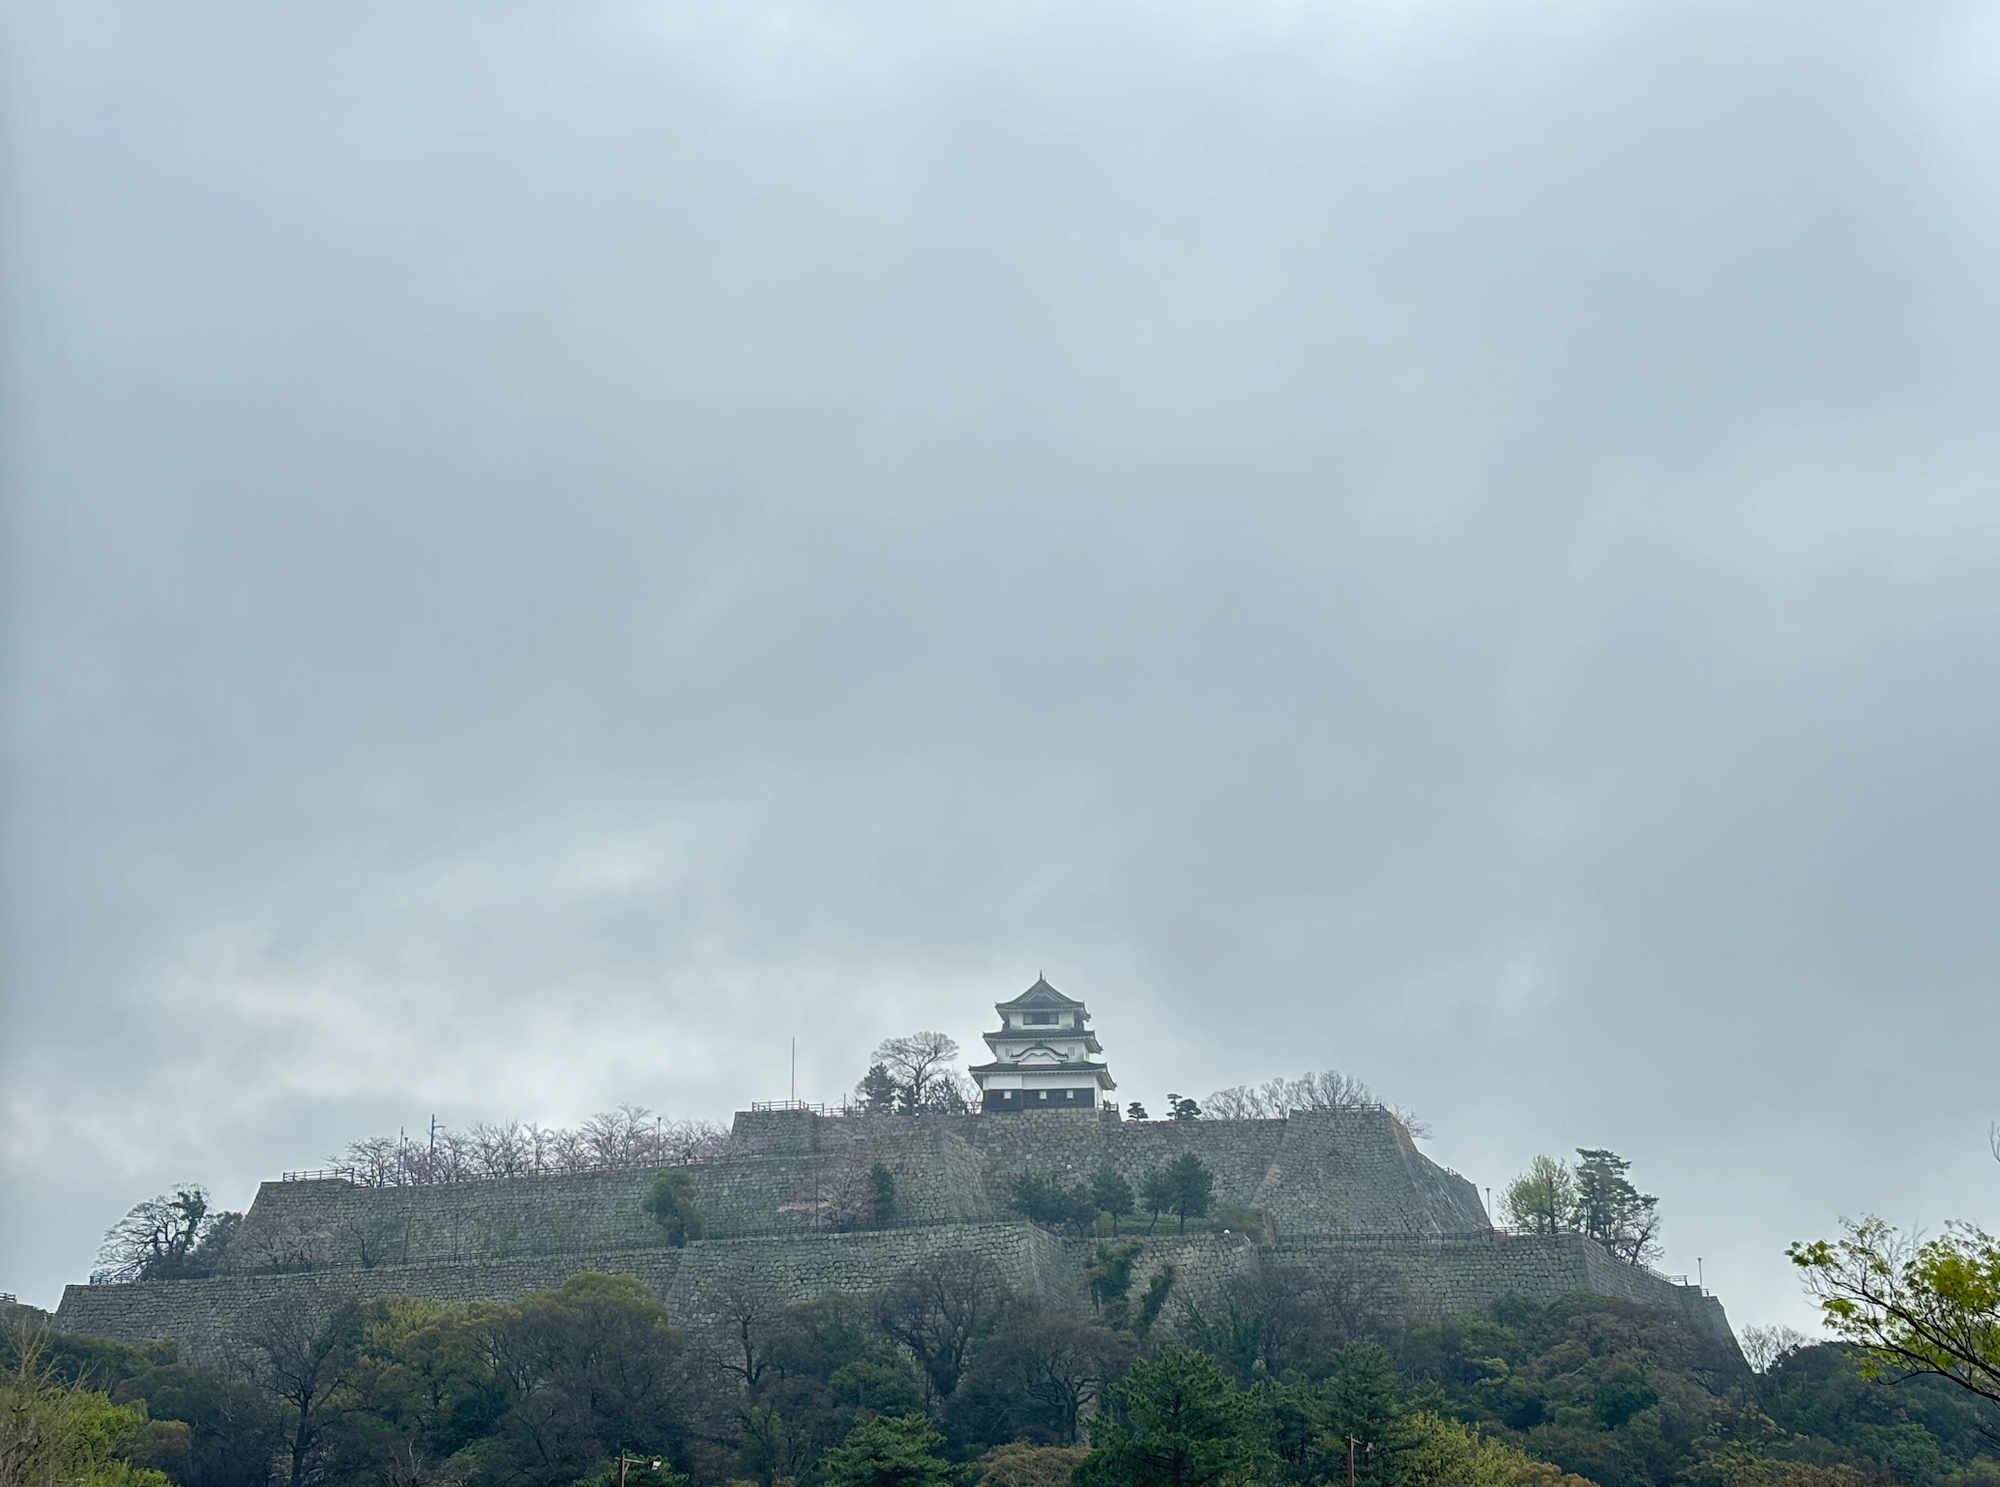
[[1038, 1019]]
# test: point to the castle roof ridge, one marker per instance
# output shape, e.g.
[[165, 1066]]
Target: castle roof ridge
[[1041, 994]]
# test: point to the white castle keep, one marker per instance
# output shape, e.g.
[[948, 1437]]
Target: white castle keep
[[1041, 1056]]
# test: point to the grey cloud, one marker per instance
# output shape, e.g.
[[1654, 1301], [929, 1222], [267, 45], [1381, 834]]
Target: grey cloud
[[553, 548]]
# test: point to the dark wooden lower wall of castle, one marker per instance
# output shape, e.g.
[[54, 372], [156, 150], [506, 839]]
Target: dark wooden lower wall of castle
[[1009, 1101]]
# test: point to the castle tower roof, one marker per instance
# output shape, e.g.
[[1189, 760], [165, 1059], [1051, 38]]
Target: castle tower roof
[[1041, 994]]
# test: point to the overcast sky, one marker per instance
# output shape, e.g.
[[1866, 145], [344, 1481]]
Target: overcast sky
[[552, 547]]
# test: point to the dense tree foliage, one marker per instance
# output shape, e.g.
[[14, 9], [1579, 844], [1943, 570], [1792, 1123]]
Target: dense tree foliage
[[889, 1451], [1052, 1203], [944, 1379], [882, 1194], [674, 1208], [1112, 1195], [55, 1432], [1594, 1198], [1184, 1188]]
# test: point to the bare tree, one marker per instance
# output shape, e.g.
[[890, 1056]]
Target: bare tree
[[835, 1194], [938, 1309], [303, 1355], [917, 1065], [1765, 1347], [540, 1145], [292, 1244], [609, 1134], [376, 1162], [571, 1149], [500, 1150], [1238, 1102], [1327, 1089], [749, 1316], [630, 1136], [369, 1238], [158, 1238], [408, 1467], [1058, 1365]]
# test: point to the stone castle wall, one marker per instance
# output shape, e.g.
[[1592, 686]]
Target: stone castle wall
[[1337, 1190], [211, 1318], [794, 1172]]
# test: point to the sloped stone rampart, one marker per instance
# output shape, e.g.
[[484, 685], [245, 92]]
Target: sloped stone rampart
[[210, 1319], [1324, 1173], [1337, 1190], [1318, 1172], [795, 1189], [700, 1284]]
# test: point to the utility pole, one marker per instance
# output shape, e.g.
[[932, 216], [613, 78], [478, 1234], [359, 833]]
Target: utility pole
[[1366, 1446], [625, 1461]]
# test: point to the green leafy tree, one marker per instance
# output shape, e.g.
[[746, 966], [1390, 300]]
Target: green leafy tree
[[1182, 1107], [1158, 1289], [425, 1373], [825, 1368], [1360, 1394], [674, 1207], [1187, 1186], [1178, 1421], [1613, 1212], [1112, 1194], [1920, 1429], [882, 1193], [1543, 1199], [877, 1090], [1024, 1464], [1569, 1382], [586, 1368], [1444, 1453], [1052, 1204], [1136, 1111], [889, 1451], [1923, 1306], [231, 1430], [57, 1433], [1108, 1272]]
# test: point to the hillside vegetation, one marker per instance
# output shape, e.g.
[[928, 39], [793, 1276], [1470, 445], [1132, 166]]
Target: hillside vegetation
[[943, 1378]]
